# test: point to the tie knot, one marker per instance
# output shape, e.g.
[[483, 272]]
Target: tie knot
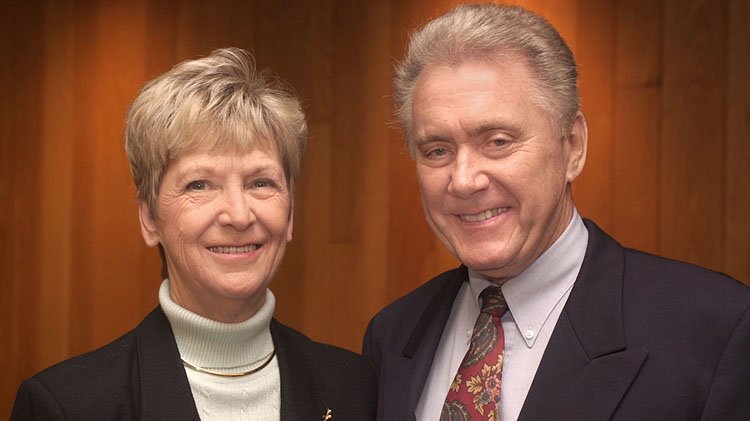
[[493, 302]]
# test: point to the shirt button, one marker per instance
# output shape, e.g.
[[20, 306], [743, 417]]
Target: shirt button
[[529, 334]]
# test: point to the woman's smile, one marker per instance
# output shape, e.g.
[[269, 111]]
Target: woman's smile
[[234, 249]]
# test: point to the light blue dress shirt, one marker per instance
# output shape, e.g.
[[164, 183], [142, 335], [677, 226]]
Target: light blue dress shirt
[[535, 300]]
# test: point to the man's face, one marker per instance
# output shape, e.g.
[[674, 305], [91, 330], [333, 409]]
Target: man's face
[[493, 174]]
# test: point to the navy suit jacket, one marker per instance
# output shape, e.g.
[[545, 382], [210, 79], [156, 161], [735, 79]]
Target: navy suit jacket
[[640, 338], [140, 377]]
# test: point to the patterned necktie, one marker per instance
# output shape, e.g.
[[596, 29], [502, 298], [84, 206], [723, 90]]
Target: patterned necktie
[[475, 391]]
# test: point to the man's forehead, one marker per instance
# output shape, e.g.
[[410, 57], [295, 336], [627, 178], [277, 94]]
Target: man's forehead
[[476, 128], [475, 79]]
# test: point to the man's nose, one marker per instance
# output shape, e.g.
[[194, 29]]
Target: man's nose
[[468, 175]]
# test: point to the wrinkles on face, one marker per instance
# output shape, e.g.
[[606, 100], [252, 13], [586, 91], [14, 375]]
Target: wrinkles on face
[[224, 220], [491, 169]]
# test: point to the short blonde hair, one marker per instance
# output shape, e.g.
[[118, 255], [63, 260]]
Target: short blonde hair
[[492, 33], [218, 101]]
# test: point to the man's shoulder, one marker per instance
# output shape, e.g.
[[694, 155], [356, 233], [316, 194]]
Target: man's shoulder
[[666, 266], [659, 274], [413, 303], [667, 278], [430, 303]]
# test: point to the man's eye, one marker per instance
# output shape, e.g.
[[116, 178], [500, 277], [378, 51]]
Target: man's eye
[[436, 152], [499, 142], [197, 185]]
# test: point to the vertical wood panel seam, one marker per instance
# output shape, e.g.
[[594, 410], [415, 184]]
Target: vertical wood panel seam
[[614, 22], [660, 129], [723, 228]]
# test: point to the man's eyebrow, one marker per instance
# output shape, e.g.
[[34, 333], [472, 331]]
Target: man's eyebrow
[[501, 125], [475, 130], [421, 140]]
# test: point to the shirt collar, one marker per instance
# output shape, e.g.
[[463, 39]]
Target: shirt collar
[[535, 292]]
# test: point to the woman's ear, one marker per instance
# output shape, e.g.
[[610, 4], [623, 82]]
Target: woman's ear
[[149, 231], [290, 227], [577, 147]]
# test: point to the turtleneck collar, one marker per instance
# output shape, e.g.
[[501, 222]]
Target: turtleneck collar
[[217, 345]]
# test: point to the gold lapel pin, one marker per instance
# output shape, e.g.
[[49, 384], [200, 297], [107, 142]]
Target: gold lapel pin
[[328, 415]]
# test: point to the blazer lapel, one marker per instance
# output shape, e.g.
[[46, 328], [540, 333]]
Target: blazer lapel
[[410, 366], [587, 367], [165, 391], [300, 397]]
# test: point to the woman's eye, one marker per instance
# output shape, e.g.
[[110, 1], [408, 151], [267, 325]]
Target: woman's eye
[[262, 183], [197, 185]]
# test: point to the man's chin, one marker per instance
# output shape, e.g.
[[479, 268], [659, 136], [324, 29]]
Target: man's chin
[[495, 271]]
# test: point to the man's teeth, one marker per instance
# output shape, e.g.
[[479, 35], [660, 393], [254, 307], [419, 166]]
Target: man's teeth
[[481, 216], [234, 250]]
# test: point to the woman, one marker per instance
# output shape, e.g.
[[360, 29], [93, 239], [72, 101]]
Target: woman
[[213, 149]]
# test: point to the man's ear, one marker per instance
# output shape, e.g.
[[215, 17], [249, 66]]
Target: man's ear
[[577, 144], [148, 227]]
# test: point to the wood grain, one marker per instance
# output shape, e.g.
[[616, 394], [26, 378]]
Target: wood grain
[[693, 131], [736, 227], [594, 49], [636, 187], [664, 87]]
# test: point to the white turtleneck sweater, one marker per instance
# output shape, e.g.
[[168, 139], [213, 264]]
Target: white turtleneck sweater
[[228, 348]]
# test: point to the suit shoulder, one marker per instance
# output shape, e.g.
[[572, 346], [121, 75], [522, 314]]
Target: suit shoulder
[[84, 384], [661, 281], [93, 365], [347, 381], [415, 301], [682, 275], [676, 285], [321, 354]]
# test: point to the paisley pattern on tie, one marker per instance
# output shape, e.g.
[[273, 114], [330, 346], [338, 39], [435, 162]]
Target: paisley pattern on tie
[[475, 391], [483, 341]]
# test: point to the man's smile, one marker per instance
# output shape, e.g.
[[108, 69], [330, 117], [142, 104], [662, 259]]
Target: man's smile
[[483, 216]]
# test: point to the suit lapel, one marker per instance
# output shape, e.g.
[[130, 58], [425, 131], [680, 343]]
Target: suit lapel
[[300, 397], [410, 366], [587, 367], [165, 391]]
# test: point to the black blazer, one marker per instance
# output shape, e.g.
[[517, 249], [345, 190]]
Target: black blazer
[[640, 338], [140, 377]]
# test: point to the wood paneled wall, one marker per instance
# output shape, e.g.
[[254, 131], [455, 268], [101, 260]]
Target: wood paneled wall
[[665, 86]]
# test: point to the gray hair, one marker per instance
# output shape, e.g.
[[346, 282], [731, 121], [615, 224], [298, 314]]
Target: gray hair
[[218, 101], [492, 32]]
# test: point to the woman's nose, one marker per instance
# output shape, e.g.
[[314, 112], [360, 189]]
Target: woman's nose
[[236, 209]]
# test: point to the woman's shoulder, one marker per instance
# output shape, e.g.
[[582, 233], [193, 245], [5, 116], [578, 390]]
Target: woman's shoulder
[[82, 385], [345, 380], [322, 353]]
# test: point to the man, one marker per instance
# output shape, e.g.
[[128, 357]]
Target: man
[[585, 329]]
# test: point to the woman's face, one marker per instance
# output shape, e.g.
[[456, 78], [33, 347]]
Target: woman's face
[[224, 219]]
